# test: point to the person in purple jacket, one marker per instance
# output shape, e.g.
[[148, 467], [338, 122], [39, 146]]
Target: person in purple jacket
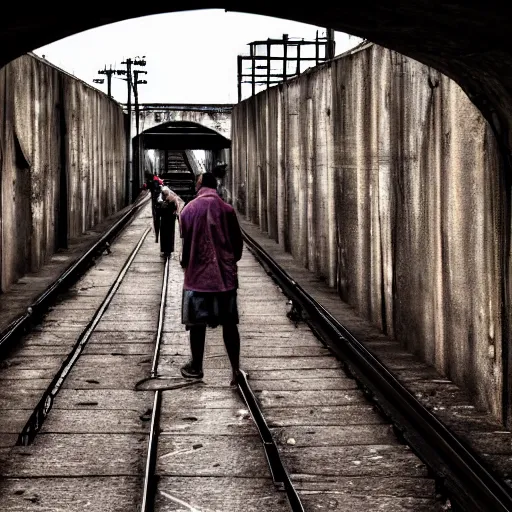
[[211, 246]]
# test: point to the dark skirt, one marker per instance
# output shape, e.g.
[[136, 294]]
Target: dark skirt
[[209, 308]]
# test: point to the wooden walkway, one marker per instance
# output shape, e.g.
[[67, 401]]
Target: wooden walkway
[[90, 454], [452, 405]]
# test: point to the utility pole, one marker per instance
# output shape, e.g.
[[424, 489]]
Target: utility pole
[[128, 125], [128, 73], [138, 148], [131, 83], [136, 81], [109, 73]]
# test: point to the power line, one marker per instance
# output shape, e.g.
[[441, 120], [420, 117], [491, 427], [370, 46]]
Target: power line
[[131, 76], [112, 71], [109, 73]]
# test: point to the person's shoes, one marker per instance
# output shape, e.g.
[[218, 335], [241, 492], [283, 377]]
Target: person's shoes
[[189, 372]]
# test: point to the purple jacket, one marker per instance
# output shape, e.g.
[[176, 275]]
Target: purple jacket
[[212, 243]]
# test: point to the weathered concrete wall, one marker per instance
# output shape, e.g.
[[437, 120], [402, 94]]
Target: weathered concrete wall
[[61, 163], [381, 176]]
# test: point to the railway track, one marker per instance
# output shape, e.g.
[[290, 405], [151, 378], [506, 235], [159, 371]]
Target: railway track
[[459, 474], [43, 408], [41, 412], [36, 310], [277, 469]]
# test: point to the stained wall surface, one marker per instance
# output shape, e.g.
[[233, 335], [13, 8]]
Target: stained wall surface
[[380, 175], [62, 162]]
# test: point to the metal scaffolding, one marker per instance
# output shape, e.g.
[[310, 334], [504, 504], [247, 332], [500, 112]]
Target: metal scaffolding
[[276, 60]]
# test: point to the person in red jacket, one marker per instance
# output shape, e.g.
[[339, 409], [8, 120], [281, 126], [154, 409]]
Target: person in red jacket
[[212, 246]]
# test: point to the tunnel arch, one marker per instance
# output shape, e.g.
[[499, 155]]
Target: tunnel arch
[[176, 137], [467, 42]]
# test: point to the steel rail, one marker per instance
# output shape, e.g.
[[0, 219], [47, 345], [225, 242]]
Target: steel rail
[[45, 404], [459, 473], [161, 317], [278, 471], [149, 486]]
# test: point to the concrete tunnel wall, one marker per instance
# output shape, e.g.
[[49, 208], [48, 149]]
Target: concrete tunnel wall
[[62, 162], [380, 175]]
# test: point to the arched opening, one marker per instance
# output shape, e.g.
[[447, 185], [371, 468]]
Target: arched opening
[[177, 151]]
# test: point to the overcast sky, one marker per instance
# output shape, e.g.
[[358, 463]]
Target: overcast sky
[[191, 56]]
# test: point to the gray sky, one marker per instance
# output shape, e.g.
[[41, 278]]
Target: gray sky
[[191, 56]]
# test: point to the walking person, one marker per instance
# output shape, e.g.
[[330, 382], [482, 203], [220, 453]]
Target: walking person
[[167, 206], [212, 246], [155, 188]]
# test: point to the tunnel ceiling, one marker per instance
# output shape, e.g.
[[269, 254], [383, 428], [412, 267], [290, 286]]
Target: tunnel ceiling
[[183, 135], [468, 41]]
